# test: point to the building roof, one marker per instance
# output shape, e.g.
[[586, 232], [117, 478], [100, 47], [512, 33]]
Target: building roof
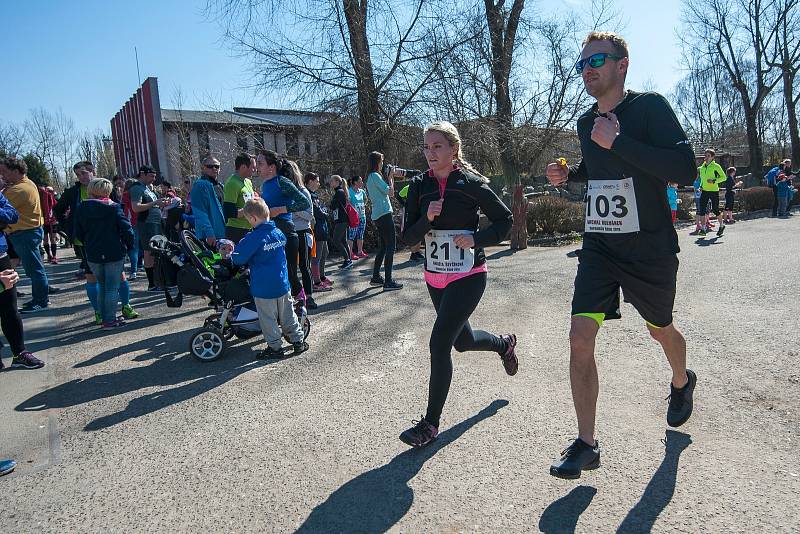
[[283, 117], [210, 117]]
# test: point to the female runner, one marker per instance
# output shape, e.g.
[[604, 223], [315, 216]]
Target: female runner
[[442, 210]]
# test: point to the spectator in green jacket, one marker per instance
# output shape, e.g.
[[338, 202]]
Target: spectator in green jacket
[[237, 191]]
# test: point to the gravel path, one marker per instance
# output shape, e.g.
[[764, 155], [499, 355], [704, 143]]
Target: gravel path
[[152, 441]]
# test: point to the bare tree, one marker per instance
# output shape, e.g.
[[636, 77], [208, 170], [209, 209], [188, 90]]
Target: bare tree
[[12, 139], [787, 61], [65, 145], [376, 54], [41, 131], [742, 35]]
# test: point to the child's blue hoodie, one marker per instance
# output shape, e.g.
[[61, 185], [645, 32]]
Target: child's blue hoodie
[[263, 250]]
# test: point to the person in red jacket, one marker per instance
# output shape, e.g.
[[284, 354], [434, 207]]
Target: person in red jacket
[[50, 242]]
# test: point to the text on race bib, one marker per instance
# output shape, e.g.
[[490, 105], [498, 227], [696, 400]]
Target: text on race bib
[[611, 207], [443, 256]]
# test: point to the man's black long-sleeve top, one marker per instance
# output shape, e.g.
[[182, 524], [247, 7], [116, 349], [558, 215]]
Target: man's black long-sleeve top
[[651, 148]]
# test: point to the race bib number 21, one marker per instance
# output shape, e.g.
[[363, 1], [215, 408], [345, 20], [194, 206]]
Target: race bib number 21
[[611, 207], [443, 256]]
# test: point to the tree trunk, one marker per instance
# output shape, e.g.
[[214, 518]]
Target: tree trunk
[[355, 12], [519, 209], [753, 142], [502, 25], [791, 111]]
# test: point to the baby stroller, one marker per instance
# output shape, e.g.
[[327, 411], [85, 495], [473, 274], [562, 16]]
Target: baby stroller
[[193, 268]]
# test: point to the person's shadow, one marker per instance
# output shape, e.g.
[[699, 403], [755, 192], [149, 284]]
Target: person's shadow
[[708, 242], [659, 491], [376, 500], [561, 517]]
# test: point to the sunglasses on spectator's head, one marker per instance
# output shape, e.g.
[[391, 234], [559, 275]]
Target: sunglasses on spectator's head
[[595, 61], [211, 166]]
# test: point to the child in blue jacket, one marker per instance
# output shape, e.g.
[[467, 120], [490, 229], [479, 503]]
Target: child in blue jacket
[[263, 251]]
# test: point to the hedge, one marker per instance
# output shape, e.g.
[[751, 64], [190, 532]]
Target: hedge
[[549, 215]]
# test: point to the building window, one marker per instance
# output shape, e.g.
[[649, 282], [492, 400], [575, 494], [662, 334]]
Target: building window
[[291, 145], [258, 141], [203, 143], [241, 141], [307, 148]]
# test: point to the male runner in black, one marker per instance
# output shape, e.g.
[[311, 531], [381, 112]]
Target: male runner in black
[[632, 144]]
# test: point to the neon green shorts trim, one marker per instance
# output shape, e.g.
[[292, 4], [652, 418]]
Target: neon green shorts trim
[[598, 317]]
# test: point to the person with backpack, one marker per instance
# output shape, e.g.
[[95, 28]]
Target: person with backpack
[[321, 235], [341, 222], [771, 182]]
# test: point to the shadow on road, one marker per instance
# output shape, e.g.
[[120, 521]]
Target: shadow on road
[[659, 491], [502, 254], [561, 517], [707, 242], [375, 501], [88, 330], [342, 303], [169, 368]]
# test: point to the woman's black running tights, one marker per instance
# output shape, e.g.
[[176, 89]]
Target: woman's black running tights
[[454, 304], [292, 249], [10, 320]]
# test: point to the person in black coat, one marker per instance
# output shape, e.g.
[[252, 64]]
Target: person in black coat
[[107, 237]]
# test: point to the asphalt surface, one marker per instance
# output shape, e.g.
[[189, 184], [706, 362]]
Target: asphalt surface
[[126, 432]]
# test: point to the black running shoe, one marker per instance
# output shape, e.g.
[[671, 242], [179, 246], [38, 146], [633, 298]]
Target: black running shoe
[[299, 348], [379, 281], [26, 360], [392, 286], [721, 229], [575, 458], [270, 354], [420, 434], [681, 403], [509, 357], [417, 257], [311, 304]]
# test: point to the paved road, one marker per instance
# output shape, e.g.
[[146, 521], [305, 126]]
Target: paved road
[[152, 441]]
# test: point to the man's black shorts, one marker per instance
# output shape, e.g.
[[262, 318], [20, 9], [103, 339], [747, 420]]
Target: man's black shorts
[[80, 255], [729, 196], [147, 231], [49, 229], [648, 285], [705, 196]]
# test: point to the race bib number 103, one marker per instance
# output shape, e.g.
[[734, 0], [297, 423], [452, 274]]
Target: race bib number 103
[[443, 256], [611, 207]]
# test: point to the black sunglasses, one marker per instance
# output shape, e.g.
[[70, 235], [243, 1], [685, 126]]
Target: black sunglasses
[[212, 166], [595, 61]]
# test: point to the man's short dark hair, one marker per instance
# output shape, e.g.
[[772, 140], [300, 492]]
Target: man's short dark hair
[[82, 165], [15, 164], [617, 42], [243, 159]]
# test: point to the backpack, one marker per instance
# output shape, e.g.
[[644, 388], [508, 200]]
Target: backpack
[[352, 216], [770, 176]]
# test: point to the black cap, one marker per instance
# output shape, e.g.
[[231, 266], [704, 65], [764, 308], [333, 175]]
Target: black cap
[[146, 169]]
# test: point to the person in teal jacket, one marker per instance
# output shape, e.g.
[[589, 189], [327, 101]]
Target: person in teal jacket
[[206, 198]]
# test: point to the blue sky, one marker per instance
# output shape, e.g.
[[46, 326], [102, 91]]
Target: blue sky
[[79, 55]]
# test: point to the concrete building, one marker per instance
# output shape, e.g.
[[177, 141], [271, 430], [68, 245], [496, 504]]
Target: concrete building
[[174, 141]]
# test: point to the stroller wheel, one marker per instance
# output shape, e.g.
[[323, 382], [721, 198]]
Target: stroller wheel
[[306, 326], [207, 344]]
